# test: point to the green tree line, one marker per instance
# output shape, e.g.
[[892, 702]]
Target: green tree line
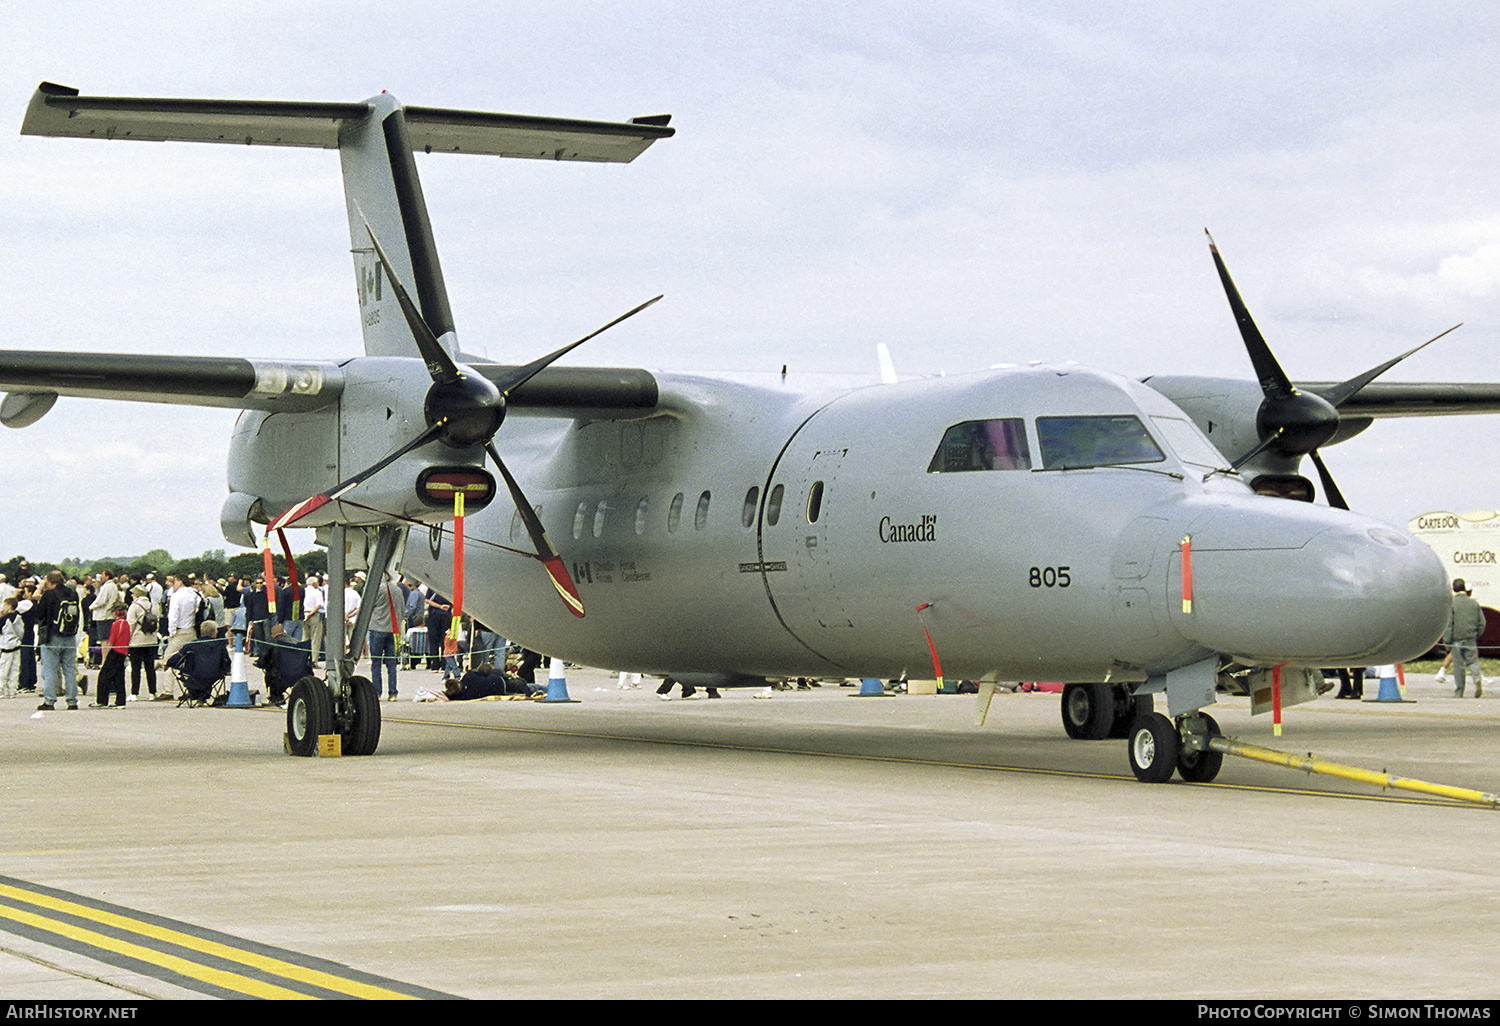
[[212, 563]]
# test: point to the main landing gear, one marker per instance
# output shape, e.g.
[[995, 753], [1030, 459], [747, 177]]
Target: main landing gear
[[345, 705], [1093, 712], [1156, 745]]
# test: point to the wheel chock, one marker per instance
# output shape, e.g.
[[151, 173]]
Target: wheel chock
[[330, 746]]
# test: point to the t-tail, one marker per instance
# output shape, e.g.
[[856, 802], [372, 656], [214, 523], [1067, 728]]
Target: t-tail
[[376, 140]]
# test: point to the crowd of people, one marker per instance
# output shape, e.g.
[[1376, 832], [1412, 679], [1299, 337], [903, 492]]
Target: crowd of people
[[49, 625]]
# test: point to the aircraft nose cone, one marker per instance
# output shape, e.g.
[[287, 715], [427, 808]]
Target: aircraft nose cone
[[1353, 591]]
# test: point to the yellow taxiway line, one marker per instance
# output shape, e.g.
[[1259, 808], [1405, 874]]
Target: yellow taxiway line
[[227, 979]]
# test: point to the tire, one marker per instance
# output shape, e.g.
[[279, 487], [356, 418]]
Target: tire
[[1152, 746], [309, 713], [1088, 711], [362, 734], [1201, 767], [1128, 709]]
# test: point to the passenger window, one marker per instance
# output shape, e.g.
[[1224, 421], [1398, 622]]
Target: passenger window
[[815, 502], [599, 517], [747, 515], [982, 445], [1095, 442], [700, 519], [640, 514], [578, 519], [674, 514], [773, 505]]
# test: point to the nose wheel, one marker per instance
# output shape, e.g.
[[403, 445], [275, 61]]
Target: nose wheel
[[1157, 747]]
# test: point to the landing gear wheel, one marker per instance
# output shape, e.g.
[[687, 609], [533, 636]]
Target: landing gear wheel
[[362, 733], [309, 713], [1201, 767], [1128, 709], [1153, 748], [1088, 711]]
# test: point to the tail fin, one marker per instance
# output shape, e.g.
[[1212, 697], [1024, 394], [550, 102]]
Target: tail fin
[[375, 140]]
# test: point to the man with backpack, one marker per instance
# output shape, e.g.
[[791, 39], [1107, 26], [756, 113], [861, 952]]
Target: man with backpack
[[57, 640]]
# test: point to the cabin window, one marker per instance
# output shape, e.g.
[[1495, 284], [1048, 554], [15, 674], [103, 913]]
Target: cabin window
[[747, 515], [815, 502], [700, 518], [674, 514], [640, 514], [773, 505], [578, 520], [599, 517], [1095, 442], [982, 445]]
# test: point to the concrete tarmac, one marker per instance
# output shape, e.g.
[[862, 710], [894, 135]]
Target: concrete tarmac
[[811, 845]]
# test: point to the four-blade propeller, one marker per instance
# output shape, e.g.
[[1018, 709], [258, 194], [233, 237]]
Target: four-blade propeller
[[464, 409], [1292, 422]]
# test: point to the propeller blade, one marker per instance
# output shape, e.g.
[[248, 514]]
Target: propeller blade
[[521, 375], [1273, 380], [1265, 443], [439, 363], [307, 506], [1330, 490], [1345, 390], [544, 547]]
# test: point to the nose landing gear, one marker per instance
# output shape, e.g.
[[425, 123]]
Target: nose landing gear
[[1157, 746]]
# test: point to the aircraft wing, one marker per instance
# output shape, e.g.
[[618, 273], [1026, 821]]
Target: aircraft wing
[[57, 110], [36, 378], [1414, 399]]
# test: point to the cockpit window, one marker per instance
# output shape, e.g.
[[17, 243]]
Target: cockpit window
[[1191, 445], [982, 445], [1095, 442]]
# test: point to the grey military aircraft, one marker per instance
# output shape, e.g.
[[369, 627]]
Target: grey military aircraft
[[1046, 522]]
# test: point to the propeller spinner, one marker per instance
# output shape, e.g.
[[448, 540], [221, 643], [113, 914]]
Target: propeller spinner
[[464, 409]]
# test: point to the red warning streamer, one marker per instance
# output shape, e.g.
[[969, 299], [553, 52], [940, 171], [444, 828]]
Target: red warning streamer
[[1187, 574], [937, 667], [1276, 699], [291, 573]]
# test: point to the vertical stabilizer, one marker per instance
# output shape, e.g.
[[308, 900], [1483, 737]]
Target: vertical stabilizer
[[381, 188]]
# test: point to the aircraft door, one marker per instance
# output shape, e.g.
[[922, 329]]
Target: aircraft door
[[800, 547]]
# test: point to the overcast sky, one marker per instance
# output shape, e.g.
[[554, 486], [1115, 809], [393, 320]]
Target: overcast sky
[[968, 183]]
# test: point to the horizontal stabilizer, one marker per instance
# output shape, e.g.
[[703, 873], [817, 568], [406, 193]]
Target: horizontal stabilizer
[[61, 111]]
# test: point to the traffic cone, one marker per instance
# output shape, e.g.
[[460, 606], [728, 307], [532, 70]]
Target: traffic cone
[[1390, 689], [557, 683], [870, 687], [239, 686]]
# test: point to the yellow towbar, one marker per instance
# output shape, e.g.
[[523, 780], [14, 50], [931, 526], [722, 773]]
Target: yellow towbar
[[1312, 764]]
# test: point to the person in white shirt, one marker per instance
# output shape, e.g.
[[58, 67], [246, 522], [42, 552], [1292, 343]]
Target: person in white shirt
[[312, 617], [181, 605]]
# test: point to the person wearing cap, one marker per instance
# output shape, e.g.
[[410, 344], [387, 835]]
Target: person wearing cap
[[1465, 625]]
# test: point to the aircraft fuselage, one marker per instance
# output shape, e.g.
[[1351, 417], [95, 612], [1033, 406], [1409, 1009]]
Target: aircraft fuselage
[[750, 530]]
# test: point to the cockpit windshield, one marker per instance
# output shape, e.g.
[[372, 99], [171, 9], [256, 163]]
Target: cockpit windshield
[[983, 445], [1095, 442]]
